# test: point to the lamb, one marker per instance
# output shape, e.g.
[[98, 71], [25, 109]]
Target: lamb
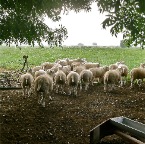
[[86, 77], [89, 65], [36, 68], [43, 85], [115, 66], [66, 69], [72, 82], [60, 81], [142, 65], [26, 83], [124, 73], [63, 62], [98, 73], [47, 65], [112, 77], [78, 69], [79, 60], [137, 74], [40, 72]]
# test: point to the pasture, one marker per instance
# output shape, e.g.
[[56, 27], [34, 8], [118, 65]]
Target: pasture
[[67, 119]]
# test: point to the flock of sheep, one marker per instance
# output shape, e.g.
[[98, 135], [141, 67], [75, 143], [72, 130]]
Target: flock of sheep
[[76, 74]]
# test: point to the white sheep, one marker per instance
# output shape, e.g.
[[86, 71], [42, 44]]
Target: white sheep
[[124, 73], [89, 65], [78, 69], [72, 82], [115, 66], [60, 81], [86, 77], [26, 83], [112, 77], [98, 73], [137, 74], [34, 69], [38, 73], [79, 60], [142, 65], [43, 86], [47, 65], [66, 69]]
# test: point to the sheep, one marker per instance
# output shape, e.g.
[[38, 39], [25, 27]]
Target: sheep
[[142, 65], [60, 81], [115, 66], [89, 65], [75, 64], [124, 73], [86, 77], [112, 77], [137, 74], [78, 69], [36, 68], [38, 73], [43, 85], [63, 62], [98, 73], [47, 65], [79, 60], [66, 69], [26, 83], [72, 82]]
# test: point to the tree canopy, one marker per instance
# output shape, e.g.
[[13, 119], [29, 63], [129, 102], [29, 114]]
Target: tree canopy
[[23, 21]]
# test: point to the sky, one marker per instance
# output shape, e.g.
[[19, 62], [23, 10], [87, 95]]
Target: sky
[[86, 28]]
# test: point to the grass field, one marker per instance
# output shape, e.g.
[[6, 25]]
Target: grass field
[[11, 58]]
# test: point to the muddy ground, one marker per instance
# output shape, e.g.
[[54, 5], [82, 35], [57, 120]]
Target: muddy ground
[[67, 119]]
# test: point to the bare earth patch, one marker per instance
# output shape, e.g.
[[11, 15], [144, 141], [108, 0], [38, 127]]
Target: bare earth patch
[[67, 119]]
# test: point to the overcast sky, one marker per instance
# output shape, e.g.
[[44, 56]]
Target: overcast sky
[[86, 28]]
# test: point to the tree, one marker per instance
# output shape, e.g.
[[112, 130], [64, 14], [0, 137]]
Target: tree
[[123, 44], [23, 21], [94, 44], [127, 17]]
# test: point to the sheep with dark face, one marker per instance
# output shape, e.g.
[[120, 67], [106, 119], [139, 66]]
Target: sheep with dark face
[[26, 83], [43, 86], [137, 74], [112, 77], [86, 77], [72, 82]]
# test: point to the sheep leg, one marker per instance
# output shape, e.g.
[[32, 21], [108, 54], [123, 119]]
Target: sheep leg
[[43, 100], [131, 86], [139, 82], [80, 86], [105, 87], [86, 86], [121, 82], [75, 91]]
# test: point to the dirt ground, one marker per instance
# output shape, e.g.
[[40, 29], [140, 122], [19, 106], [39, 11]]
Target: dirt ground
[[67, 119]]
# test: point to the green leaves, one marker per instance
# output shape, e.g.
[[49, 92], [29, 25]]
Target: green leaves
[[127, 17]]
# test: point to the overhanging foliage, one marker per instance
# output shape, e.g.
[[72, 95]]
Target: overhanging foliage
[[23, 21]]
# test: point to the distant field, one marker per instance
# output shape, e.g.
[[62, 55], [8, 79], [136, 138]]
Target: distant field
[[11, 58]]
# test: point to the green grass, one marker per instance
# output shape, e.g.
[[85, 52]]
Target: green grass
[[11, 58]]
